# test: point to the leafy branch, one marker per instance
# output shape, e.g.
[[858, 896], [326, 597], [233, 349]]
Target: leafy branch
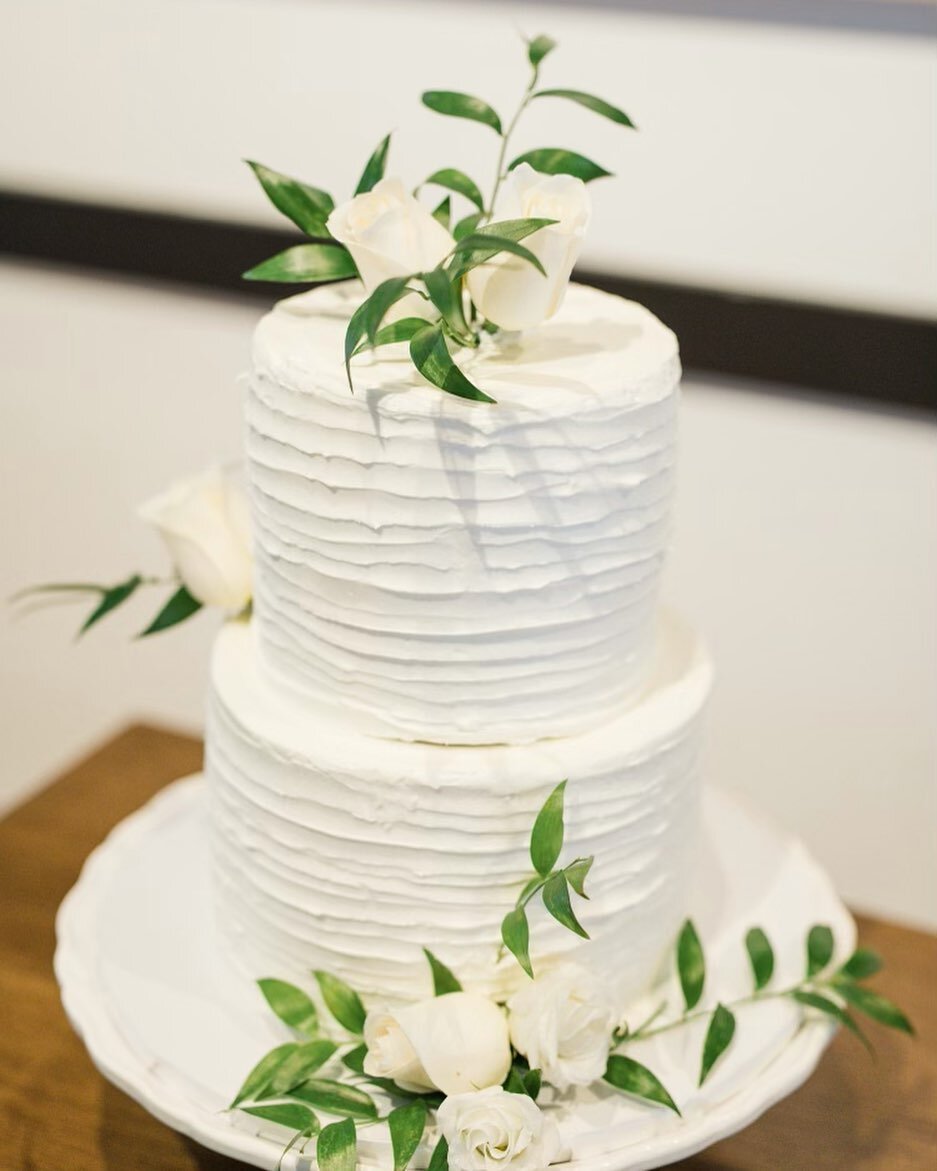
[[553, 885], [287, 1087], [478, 240], [106, 598], [826, 991]]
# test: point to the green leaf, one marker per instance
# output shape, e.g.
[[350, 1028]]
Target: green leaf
[[819, 948], [830, 1008], [718, 1039], [431, 357], [397, 331], [305, 264], [457, 105], [367, 318], [406, 1125], [335, 1098], [289, 1114], [538, 48], [440, 1157], [111, 598], [596, 105], [446, 295], [875, 1006], [443, 979], [478, 248], [179, 607], [442, 214], [576, 873], [628, 1075], [342, 1002], [300, 1065], [862, 964], [515, 229], [259, 1078], [354, 1058], [374, 169], [337, 1147], [760, 956], [460, 183], [546, 838], [381, 301], [501, 231], [552, 160], [514, 1082], [291, 1005], [533, 1079], [306, 206], [556, 901], [691, 965], [515, 934], [466, 226]]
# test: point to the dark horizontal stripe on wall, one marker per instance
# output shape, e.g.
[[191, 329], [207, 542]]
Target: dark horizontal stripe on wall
[[863, 355]]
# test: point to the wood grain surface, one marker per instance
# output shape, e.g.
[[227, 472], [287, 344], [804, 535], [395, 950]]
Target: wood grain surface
[[58, 1113]]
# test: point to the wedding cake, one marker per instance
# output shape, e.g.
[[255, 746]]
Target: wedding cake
[[455, 607], [454, 808]]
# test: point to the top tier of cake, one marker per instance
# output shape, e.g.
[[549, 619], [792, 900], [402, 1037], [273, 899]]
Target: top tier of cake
[[459, 572]]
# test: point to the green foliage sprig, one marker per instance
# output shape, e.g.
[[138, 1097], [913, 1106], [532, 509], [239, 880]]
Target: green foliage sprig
[[105, 599], [288, 1087], [829, 992], [478, 239], [553, 886]]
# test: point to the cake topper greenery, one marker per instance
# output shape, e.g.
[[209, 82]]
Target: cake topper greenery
[[465, 1073], [435, 281]]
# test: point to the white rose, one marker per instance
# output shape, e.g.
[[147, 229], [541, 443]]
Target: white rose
[[562, 1022], [509, 291], [454, 1043], [493, 1129], [205, 524], [389, 233]]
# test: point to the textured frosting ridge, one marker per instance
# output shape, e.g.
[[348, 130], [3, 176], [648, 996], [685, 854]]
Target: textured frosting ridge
[[338, 850], [457, 572]]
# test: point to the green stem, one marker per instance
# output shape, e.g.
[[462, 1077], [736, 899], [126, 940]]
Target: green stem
[[643, 1033], [499, 174]]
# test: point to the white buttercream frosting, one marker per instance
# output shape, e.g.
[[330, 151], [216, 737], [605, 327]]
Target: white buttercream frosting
[[452, 571], [338, 850]]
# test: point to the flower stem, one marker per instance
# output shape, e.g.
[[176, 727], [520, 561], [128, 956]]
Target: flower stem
[[499, 173], [644, 1033]]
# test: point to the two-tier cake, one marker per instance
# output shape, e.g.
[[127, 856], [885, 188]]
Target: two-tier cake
[[455, 608]]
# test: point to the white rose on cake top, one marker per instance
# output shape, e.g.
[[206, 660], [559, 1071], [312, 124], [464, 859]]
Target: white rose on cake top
[[389, 233], [491, 1129], [205, 524], [561, 1022], [453, 1043], [509, 291]]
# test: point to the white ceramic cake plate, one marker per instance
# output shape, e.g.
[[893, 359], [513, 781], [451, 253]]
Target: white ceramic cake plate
[[170, 1019]]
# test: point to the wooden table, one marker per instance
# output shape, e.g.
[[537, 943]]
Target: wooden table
[[58, 1113]]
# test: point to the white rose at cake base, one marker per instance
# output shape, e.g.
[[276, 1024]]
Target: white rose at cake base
[[453, 1043], [561, 1022], [492, 1128], [509, 291], [389, 233], [205, 524]]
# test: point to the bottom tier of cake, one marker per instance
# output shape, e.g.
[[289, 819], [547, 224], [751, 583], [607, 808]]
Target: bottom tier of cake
[[338, 851]]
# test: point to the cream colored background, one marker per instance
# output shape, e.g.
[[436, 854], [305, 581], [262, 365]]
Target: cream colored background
[[777, 157]]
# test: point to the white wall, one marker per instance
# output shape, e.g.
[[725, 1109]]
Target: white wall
[[772, 157], [806, 550]]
